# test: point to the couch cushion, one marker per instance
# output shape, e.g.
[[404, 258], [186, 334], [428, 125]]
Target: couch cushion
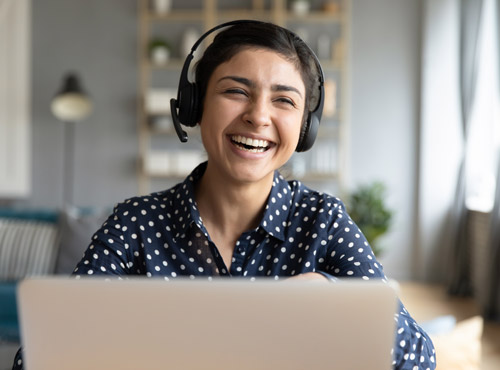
[[27, 246], [45, 215], [76, 227], [9, 324]]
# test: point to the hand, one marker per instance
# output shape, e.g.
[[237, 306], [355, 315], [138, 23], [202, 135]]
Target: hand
[[308, 276]]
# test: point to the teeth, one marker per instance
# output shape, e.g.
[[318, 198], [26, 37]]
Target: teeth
[[259, 144]]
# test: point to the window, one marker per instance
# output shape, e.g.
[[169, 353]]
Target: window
[[483, 145]]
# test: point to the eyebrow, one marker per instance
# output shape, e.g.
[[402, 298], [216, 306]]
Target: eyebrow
[[251, 84]]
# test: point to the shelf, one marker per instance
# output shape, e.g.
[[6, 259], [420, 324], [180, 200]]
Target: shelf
[[229, 15], [331, 65], [318, 176], [326, 131], [170, 163], [315, 17], [310, 176], [167, 176], [172, 64], [325, 163], [191, 131], [176, 16]]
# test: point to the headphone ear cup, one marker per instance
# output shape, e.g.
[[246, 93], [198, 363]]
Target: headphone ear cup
[[188, 105], [308, 133]]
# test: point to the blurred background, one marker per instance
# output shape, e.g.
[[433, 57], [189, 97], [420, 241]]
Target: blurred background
[[411, 134]]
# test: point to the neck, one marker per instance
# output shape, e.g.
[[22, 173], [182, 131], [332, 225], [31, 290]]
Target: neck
[[230, 207]]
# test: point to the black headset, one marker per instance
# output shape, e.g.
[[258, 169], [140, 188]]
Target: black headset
[[185, 108]]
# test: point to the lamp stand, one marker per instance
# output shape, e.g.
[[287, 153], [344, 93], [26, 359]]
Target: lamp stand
[[69, 162]]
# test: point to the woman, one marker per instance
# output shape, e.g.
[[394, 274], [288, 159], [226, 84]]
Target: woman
[[235, 215]]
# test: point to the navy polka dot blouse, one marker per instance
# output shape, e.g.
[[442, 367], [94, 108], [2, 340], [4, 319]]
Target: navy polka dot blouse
[[301, 231]]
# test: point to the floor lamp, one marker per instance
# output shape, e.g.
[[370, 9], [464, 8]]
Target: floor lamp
[[70, 105]]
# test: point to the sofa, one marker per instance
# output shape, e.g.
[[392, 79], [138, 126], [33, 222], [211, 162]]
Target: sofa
[[38, 242]]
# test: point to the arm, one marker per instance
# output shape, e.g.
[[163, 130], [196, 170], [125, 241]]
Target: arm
[[107, 254], [110, 251], [18, 360], [349, 255]]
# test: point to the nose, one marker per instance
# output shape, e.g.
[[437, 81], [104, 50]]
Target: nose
[[258, 112]]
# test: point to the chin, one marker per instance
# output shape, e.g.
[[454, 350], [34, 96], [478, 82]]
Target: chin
[[252, 174]]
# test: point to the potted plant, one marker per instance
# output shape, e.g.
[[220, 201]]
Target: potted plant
[[368, 210], [159, 51]]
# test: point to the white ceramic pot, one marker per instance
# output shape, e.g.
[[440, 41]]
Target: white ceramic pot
[[300, 7], [160, 55], [162, 6]]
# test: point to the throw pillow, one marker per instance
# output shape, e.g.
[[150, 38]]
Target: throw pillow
[[77, 227]]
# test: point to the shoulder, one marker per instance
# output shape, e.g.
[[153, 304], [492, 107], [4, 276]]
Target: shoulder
[[307, 200], [140, 206]]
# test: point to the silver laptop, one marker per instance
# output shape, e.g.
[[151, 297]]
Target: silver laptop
[[221, 324]]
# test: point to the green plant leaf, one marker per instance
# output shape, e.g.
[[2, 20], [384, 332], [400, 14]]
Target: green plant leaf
[[368, 210]]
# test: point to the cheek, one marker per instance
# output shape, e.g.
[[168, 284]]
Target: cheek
[[217, 111], [292, 130]]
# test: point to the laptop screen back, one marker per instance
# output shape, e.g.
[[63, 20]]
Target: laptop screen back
[[222, 324]]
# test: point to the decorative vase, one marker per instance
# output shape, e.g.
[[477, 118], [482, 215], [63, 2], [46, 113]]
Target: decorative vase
[[160, 55], [162, 6], [300, 7]]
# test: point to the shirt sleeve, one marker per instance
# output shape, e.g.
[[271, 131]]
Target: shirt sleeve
[[18, 360], [328, 276], [350, 255], [109, 252]]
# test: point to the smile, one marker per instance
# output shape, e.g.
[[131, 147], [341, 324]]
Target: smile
[[250, 145]]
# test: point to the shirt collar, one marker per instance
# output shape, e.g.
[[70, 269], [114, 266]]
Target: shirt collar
[[184, 203], [274, 220], [279, 204]]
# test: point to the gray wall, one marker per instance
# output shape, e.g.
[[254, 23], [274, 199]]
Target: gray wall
[[98, 39], [385, 90]]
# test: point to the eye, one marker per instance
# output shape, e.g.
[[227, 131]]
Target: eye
[[235, 91], [286, 101]]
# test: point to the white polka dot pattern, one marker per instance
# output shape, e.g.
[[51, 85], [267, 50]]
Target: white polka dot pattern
[[162, 235]]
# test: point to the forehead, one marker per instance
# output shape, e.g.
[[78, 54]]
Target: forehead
[[262, 63]]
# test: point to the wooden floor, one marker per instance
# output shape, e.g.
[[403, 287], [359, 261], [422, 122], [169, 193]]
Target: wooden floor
[[426, 302]]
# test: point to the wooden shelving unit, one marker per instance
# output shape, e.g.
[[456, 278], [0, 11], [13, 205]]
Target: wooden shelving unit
[[330, 26]]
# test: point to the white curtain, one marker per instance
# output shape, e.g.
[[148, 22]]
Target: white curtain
[[491, 304], [461, 252], [441, 141], [471, 257], [15, 90], [459, 146]]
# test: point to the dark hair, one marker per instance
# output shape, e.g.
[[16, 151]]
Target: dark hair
[[265, 35]]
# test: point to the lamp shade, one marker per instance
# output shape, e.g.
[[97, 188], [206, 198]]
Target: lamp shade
[[71, 104]]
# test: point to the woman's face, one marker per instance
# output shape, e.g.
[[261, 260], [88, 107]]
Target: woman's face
[[252, 115]]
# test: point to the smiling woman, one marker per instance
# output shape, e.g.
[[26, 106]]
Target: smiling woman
[[257, 99]]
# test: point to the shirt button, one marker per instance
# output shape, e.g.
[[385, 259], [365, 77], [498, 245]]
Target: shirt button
[[241, 250]]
